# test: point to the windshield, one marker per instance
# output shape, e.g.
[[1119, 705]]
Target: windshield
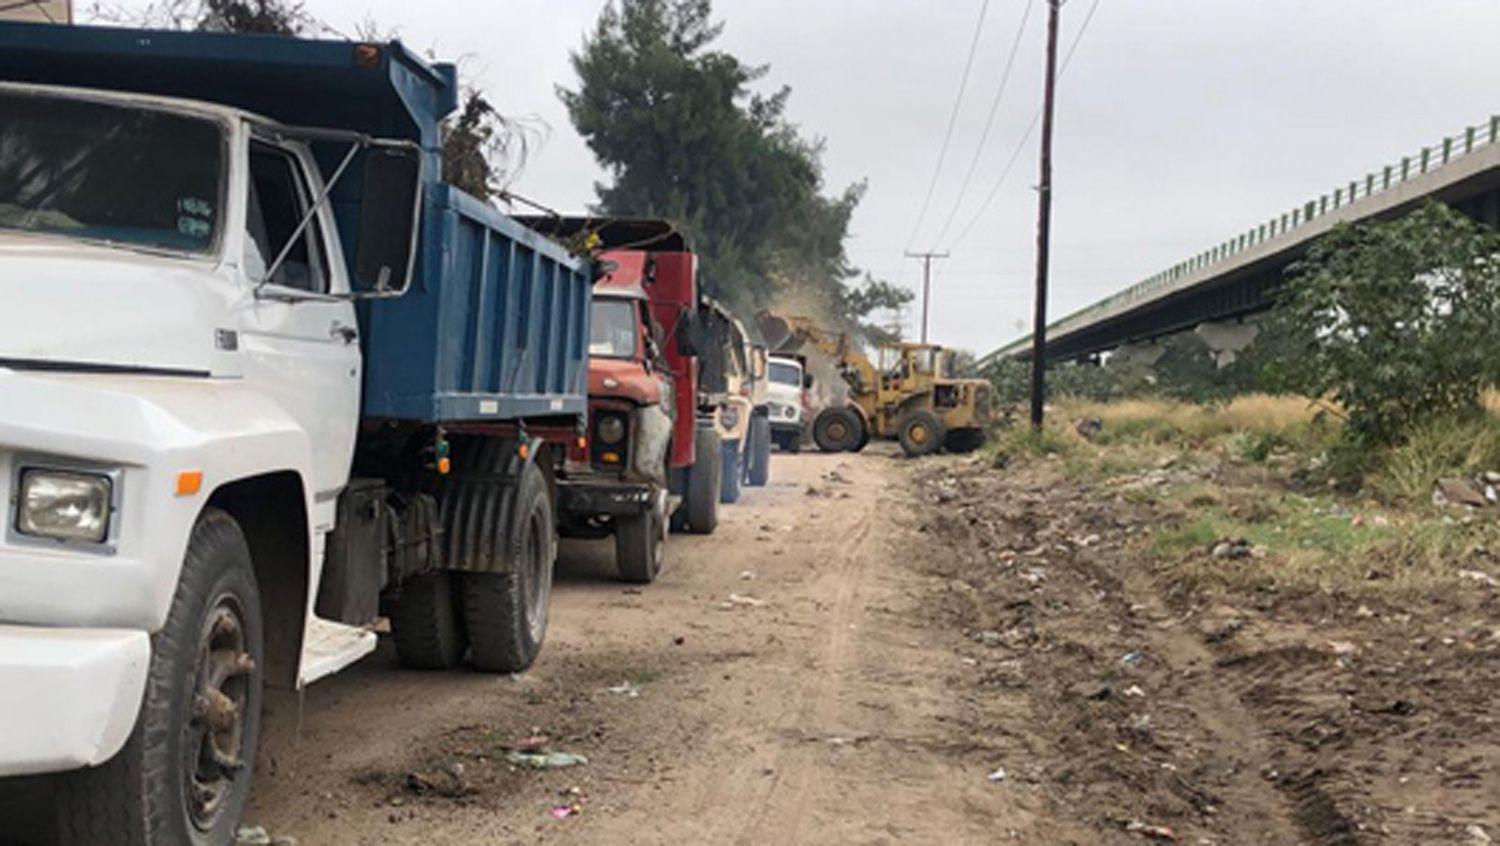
[[785, 374], [102, 172], [614, 332]]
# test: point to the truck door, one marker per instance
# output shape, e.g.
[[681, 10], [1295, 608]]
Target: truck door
[[301, 346]]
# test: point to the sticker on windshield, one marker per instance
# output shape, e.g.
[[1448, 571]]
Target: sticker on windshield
[[195, 207], [195, 217], [194, 228]]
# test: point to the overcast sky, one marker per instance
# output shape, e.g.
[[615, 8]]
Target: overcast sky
[[1180, 122]]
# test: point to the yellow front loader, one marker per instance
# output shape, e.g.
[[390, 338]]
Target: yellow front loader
[[906, 395]]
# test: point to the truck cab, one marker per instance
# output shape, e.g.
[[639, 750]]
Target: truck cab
[[653, 461], [616, 481], [259, 391], [787, 389]]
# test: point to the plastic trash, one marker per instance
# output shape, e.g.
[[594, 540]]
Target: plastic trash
[[540, 760], [626, 689]]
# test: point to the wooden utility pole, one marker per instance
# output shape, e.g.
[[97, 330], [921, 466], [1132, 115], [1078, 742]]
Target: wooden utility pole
[[926, 283], [1044, 227]]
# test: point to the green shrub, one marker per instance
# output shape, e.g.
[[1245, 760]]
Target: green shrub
[[1399, 321]]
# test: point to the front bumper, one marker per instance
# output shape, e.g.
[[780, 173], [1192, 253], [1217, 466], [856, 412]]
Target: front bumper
[[68, 697], [598, 497]]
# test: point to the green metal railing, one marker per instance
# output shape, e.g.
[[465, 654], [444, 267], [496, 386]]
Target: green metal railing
[[1428, 160]]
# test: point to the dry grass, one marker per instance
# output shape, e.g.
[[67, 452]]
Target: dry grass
[[1161, 420]]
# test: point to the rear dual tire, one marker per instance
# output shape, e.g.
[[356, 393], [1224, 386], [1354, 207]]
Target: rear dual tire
[[500, 619]]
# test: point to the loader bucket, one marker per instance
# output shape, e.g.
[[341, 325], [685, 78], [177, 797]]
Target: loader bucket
[[777, 332]]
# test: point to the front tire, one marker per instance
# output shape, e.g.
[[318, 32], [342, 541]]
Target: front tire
[[640, 545], [758, 473], [920, 432], [700, 508], [837, 430], [183, 777], [506, 613], [731, 473]]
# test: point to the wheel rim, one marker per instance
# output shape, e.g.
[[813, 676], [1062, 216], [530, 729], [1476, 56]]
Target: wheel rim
[[213, 747], [918, 434], [539, 577], [837, 431]]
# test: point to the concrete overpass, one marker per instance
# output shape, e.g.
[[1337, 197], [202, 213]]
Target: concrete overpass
[[1238, 277]]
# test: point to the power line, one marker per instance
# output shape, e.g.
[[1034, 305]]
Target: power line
[[989, 123], [963, 85], [1020, 147]]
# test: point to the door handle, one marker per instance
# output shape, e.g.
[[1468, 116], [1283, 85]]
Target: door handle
[[343, 331]]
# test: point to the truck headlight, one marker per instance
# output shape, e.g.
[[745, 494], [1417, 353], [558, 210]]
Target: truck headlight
[[63, 505], [611, 429]]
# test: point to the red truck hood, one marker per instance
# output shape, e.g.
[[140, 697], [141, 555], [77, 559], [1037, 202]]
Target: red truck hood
[[626, 380]]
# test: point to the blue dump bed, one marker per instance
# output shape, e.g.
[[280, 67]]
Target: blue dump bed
[[495, 326]]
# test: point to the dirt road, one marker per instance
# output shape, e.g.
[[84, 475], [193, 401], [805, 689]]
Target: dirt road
[[780, 684], [875, 650]]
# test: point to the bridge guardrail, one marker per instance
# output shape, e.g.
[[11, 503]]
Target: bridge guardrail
[[1430, 158]]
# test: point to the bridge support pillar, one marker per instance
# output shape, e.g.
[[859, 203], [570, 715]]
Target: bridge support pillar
[[1136, 355], [1226, 340]]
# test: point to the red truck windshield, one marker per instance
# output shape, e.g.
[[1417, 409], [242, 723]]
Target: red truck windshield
[[614, 333], [133, 176]]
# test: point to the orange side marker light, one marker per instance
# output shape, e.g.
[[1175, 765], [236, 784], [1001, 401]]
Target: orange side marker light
[[189, 482]]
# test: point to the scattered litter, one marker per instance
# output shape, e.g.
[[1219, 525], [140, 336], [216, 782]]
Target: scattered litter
[[1134, 690], [1477, 835], [562, 812], [1133, 659], [252, 835], [997, 776], [737, 600], [626, 689], [1233, 549], [1343, 647], [545, 760], [1466, 492], [1480, 576], [746, 576], [1155, 832], [530, 743], [1088, 427], [988, 637]]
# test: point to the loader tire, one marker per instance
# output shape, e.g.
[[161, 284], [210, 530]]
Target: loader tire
[[758, 469], [426, 624], [505, 614], [920, 433], [837, 430], [183, 776]]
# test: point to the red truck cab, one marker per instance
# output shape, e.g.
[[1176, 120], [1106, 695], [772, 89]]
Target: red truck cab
[[646, 462]]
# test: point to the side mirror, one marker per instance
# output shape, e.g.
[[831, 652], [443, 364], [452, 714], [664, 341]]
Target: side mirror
[[390, 212], [807, 380]]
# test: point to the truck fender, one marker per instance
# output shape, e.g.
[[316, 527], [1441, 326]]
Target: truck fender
[[478, 504]]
